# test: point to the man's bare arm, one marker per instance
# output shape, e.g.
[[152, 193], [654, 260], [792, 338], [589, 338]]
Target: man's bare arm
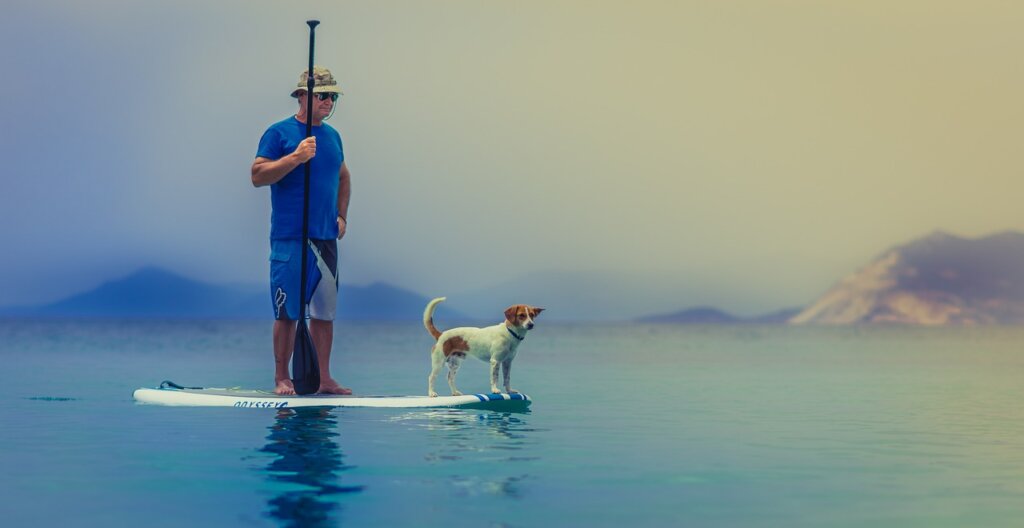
[[344, 193], [267, 171]]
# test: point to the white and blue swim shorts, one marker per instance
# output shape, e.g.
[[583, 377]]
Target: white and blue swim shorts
[[321, 278]]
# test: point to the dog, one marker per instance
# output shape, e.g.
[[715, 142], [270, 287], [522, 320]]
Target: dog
[[496, 344]]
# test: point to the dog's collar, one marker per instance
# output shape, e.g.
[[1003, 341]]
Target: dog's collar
[[514, 334]]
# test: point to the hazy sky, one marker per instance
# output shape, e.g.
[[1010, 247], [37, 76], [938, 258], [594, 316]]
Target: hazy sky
[[749, 153]]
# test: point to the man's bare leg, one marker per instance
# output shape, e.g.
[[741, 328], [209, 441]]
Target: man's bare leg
[[284, 342], [323, 339]]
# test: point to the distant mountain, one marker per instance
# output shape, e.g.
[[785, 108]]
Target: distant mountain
[[697, 315], [154, 293], [709, 315], [937, 280], [383, 302], [582, 295]]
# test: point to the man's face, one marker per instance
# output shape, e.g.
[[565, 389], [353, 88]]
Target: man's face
[[323, 104]]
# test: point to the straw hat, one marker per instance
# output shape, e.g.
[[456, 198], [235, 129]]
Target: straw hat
[[323, 81]]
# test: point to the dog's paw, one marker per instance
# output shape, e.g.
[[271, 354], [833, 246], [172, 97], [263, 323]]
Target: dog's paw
[[432, 394], [456, 393], [494, 390], [513, 391]]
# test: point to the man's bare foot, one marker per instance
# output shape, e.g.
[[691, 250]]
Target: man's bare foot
[[285, 388], [329, 386]]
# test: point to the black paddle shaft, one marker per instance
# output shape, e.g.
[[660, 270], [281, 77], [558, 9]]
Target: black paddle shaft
[[305, 365], [310, 84]]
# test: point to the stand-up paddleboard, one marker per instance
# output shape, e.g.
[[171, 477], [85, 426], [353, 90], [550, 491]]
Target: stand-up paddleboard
[[170, 393]]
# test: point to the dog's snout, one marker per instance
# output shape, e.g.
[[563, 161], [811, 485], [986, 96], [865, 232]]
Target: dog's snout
[[529, 326]]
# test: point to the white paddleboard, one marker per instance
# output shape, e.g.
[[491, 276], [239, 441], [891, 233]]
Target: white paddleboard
[[242, 398]]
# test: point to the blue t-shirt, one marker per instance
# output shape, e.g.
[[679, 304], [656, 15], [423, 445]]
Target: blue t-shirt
[[281, 139]]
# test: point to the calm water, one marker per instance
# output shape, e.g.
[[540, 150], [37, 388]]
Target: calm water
[[631, 426]]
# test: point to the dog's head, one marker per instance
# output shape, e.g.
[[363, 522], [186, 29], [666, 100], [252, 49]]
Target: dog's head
[[522, 315]]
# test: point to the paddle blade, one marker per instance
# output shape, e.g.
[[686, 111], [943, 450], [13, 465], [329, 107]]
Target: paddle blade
[[305, 367]]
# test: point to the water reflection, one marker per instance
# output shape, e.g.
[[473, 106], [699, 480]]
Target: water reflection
[[309, 460], [479, 453]]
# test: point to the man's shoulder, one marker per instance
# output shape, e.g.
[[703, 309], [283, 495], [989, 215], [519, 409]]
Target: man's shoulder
[[285, 125], [277, 138], [332, 131]]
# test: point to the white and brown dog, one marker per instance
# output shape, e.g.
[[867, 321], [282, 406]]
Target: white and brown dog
[[496, 344]]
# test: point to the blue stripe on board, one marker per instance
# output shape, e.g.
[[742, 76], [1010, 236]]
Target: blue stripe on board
[[500, 397]]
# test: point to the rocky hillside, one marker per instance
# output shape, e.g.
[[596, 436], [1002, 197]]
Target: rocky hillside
[[938, 280]]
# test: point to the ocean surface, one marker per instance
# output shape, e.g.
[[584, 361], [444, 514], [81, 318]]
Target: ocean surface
[[638, 426]]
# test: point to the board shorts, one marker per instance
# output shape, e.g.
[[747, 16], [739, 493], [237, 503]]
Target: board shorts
[[321, 278]]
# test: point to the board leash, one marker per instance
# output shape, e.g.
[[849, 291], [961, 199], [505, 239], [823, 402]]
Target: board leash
[[168, 384]]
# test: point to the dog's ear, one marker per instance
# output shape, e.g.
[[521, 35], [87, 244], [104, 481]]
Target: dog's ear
[[510, 313], [534, 311]]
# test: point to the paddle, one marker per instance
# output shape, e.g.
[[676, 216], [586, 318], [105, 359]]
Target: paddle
[[305, 366]]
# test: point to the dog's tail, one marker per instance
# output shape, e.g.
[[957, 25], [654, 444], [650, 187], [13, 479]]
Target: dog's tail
[[428, 317]]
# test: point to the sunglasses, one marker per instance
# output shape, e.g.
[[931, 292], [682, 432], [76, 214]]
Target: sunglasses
[[323, 96]]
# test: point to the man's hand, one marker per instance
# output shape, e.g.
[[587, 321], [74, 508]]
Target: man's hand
[[342, 224], [305, 150]]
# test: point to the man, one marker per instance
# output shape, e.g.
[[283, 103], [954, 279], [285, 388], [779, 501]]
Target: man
[[282, 151]]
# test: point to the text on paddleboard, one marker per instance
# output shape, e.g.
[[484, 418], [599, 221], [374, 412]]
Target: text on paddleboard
[[262, 404]]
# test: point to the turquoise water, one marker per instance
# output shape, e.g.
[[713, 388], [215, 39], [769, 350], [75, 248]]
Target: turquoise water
[[631, 425]]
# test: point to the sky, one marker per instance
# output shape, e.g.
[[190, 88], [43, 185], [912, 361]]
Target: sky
[[742, 154]]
